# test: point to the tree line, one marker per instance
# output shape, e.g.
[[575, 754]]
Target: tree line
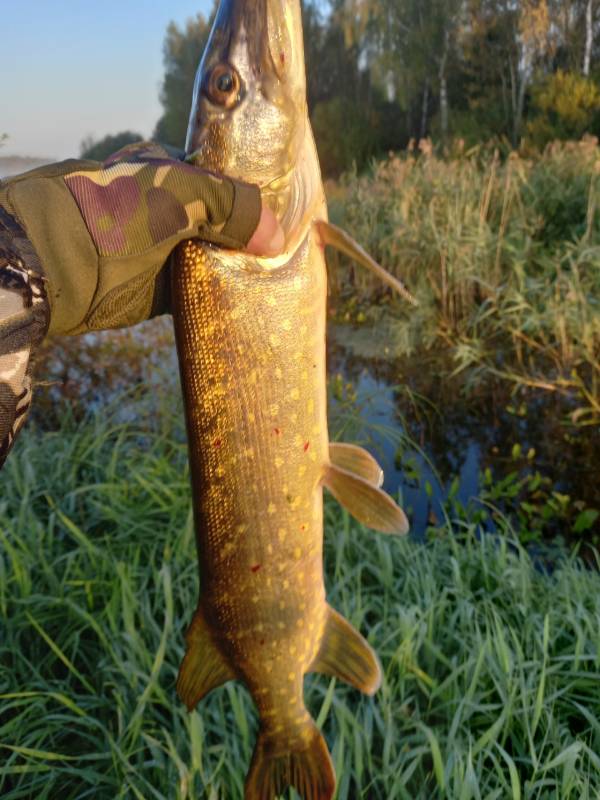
[[383, 73]]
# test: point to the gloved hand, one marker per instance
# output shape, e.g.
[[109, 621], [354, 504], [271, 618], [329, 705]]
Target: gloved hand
[[102, 232], [84, 246]]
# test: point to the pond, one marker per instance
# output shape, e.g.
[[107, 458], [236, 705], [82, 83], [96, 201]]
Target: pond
[[449, 453], [452, 451]]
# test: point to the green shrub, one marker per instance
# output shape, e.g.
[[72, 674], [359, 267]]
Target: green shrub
[[343, 135], [98, 150], [566, 104]]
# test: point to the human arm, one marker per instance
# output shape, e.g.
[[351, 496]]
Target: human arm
[[85, 246]]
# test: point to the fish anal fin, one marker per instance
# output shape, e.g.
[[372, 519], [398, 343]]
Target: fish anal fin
[[369, 504], [345, 654], [342, 241], [356, 460], [203, 667], [274, 768]]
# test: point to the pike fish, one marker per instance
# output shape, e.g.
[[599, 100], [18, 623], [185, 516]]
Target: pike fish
[[250, 335]]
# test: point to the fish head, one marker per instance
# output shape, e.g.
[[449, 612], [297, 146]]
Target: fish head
[[249, 116]]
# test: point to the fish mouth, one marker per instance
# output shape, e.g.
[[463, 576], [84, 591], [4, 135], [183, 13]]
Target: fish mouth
[[249, 117]]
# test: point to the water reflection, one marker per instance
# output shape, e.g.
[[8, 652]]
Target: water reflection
[[438, 443], [84, 374]]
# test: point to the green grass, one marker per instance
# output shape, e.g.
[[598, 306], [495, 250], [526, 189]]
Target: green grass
[[491, 687]]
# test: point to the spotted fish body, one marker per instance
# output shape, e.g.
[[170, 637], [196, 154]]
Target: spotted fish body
[[251, 343], [252, 352], [251, 346]]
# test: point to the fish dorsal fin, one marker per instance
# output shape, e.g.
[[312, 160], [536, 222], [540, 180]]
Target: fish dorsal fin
[[345, 654], [342, 241], [369, 504], [356, 460], [203, 667]]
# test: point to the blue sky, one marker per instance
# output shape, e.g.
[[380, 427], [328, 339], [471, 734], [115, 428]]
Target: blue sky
[[73, 68]]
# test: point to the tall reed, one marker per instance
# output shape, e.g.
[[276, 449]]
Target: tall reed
[[503, 255]]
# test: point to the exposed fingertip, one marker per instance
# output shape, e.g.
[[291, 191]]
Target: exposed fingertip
[[276, 242], [268, 239]]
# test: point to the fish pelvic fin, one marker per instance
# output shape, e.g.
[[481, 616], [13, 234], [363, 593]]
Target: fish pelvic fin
[[342, 241], [347, 655], [369, 504], [356, 460], [308, 768], [203, 667]]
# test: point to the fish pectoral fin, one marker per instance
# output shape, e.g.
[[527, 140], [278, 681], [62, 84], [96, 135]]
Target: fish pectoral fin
[[347, 655], [369, 504], [356, 460], [203, 667], [342, 241], [275, 765]]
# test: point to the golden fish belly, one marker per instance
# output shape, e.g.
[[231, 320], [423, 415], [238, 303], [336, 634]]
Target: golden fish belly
[[251, 347]]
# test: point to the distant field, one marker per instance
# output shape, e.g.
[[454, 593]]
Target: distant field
[[13, 165]]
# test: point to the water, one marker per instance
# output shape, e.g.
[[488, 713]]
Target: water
[[409, 472], [408, 478], [435, 444]]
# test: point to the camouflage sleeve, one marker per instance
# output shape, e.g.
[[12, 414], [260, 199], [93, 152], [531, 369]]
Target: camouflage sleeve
[[104, 232], [24, 315]]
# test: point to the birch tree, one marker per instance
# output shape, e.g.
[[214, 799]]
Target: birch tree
[[449, 23], [417, 43], [522, 36], [533, 41], [587, 54]]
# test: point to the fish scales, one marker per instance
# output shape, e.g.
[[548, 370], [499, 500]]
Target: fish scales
[[257, 431], [251, 343]]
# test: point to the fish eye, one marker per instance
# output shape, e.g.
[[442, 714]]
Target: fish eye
[[223, 85]]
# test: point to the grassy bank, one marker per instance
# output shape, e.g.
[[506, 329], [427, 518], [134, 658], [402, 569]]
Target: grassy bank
[[491, 685], [504, 257]]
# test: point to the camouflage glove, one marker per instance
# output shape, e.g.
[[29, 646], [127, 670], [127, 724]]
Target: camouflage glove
[[101, 233], [83, 245]]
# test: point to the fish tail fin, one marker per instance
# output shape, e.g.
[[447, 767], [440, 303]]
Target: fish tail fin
[[203, 667], [307, 767]]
